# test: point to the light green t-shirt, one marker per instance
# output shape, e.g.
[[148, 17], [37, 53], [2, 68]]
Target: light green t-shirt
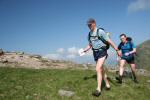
[[94, 41]]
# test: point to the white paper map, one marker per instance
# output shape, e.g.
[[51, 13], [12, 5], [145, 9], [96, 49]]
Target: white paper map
[[81, 52]]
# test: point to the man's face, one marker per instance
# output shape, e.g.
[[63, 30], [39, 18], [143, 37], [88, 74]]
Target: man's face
[[92, 26], [123, 39]]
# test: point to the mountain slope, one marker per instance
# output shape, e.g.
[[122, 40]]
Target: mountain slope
[[143, 55]]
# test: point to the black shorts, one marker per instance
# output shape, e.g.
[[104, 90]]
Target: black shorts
[[129, 60], [99, 54]]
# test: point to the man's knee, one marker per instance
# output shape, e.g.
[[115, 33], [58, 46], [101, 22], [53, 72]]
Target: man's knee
[[99, 69], [133, 68], [122, 65]]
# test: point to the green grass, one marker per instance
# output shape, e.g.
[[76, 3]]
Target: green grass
[[44, 84]]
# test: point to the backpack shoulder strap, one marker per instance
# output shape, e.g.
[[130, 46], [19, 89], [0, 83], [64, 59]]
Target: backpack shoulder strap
[[131, 44], [102, 29], [89, 35], [100, 37]]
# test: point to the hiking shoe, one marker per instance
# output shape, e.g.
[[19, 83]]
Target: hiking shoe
[[136, 81], [96, 93], [119, 79], [107, 88]]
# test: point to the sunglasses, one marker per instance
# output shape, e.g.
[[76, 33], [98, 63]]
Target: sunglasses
[[89, 24]]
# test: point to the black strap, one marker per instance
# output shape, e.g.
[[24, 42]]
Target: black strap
[[100, 37], [131, 45]]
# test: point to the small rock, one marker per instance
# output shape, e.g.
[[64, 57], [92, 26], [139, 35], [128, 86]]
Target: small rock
[[4, 60], [148, 81], [28, 97], [141, 71], [19, 53], [65, 93], [19, 87], [37, 56], [35, 94], [85, 66]]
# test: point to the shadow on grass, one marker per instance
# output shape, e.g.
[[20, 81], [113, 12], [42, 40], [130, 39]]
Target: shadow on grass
[[103, 83], [90, 77]]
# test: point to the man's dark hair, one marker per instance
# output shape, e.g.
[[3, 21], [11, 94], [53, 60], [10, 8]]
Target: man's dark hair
[[91, 20], [128, 38], [123, 35]]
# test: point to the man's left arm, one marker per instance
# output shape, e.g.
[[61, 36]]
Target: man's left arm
[[114, 46], [107, 38]]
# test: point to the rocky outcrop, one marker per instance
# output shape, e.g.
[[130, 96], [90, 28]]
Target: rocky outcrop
[[21, 59], [1, 52]]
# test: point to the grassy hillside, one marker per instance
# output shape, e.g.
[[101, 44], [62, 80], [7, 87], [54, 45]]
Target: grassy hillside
[[44, 84], [143, 55]]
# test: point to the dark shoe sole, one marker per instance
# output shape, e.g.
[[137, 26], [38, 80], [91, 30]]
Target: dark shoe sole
[[108, 88], [135, 81], [119, 80], [96, 93]]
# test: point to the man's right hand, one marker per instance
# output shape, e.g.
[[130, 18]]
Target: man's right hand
[[119, 53]]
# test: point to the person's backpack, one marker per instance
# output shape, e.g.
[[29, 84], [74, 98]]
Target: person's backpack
[[101, 38], [129, 39]]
